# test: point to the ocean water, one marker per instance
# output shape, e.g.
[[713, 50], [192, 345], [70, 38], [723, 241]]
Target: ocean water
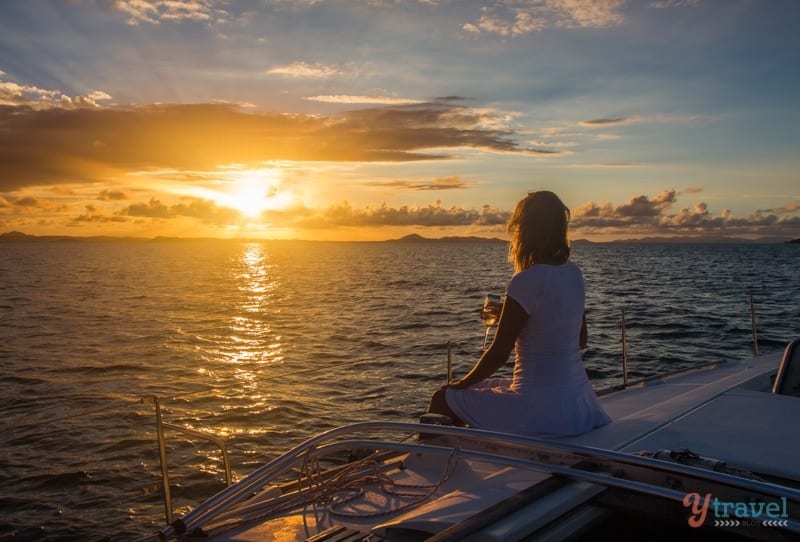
[[268, 343]]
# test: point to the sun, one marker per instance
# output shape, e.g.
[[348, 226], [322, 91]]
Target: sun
[[253, 193]]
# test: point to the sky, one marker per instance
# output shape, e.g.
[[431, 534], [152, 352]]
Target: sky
[[374, 119]]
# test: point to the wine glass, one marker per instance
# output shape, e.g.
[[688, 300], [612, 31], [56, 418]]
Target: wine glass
[[490, 313]]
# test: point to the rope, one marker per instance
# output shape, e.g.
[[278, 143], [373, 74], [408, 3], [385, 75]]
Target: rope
[[418, 492]]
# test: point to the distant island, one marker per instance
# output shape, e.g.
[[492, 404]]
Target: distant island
[[20, 237], [416, 238]]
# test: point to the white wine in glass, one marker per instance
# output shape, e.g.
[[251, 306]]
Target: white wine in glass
[[490, 313]]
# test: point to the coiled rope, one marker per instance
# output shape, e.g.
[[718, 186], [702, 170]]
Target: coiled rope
[[342, 492]]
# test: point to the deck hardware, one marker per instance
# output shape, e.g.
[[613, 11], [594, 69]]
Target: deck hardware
[[624, 352], [449, 362], [753, 325], [162, 452]]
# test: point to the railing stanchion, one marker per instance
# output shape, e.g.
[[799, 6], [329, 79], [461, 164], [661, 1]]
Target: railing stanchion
[[162, 452], [624, 352], [162, 456], [753, 325], [449, 362]]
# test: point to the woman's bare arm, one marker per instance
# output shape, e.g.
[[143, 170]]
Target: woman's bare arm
[[512, 319]]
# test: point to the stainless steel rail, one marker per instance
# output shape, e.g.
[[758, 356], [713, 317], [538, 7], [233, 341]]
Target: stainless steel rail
[[533, 448], [162, 451]]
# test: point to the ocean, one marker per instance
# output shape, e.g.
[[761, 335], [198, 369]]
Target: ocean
[[267, 343]]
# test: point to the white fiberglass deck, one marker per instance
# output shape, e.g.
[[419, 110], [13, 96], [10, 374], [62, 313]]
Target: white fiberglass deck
[[716, 412], [724, 411]]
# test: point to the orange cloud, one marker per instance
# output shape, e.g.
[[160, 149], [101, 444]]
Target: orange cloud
[[442, 183], [435, 215], [59, 146]]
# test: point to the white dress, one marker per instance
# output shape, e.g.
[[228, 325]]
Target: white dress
[[550, 393]]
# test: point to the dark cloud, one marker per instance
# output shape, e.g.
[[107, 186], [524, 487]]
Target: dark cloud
[[92, 215], [27, 201], [453, 98], [56, 146], [604, 122], [642, 206], [112, 195], [205, 211], [153, 209], [435, 215], [792, 207], [453, 182], [546, 152], [643, 215]]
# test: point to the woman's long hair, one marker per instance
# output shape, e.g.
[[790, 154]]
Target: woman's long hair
[[538, 230]]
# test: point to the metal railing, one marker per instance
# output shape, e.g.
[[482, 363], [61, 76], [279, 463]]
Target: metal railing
[[162, 451], [607, 468]]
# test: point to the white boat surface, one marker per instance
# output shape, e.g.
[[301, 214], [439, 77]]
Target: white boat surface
[[716, 446]]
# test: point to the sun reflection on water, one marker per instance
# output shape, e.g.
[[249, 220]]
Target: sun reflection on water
[[239, 355], [252, 339]]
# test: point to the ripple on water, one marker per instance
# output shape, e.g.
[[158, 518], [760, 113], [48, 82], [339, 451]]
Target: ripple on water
[[269, 343]]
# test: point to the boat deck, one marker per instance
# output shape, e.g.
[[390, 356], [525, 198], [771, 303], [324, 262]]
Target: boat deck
[[458, 484], [700, 411]]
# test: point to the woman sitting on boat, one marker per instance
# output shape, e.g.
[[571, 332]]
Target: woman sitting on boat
[[543, 320]]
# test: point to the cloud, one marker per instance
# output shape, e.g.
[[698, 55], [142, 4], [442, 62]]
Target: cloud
[[658, 117], [292, 5], [16, 95], [345, 99], [643, 215], [792, 207], [207, 212], [434, 215], [442, 183], [639, 216], [153, 209], [27, 201], [665, 4], [603, 122], [518, 17], [304, 70], [73, 145], [635, 210], [92, 215], [112, 195], [611, 165], [156, 11], [335, 216]]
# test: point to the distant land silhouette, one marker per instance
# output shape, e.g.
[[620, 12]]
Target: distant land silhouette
[[17, 236], [416, 238]]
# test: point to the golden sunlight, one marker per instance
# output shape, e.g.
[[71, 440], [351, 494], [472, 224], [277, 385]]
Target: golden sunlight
[[254, 192]]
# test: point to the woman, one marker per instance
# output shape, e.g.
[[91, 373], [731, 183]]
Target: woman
[[543, 317]]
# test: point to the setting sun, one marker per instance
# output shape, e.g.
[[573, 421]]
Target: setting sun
[[252, 192], [221, 127]]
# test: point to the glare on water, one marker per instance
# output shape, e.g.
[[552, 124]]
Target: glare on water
[[267, 343]]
